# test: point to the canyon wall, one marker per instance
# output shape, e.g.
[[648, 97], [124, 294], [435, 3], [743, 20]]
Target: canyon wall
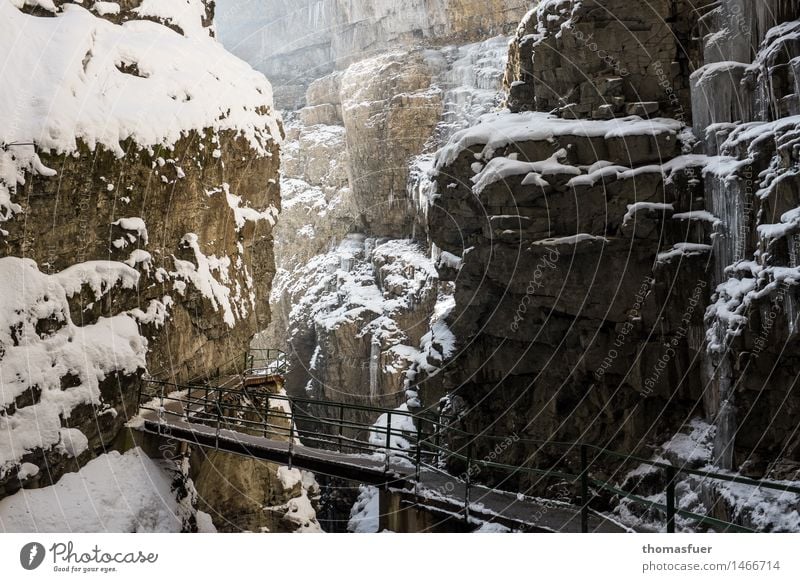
[[626, 241], [139, 188], [296, 42], [357, 302], [567, 294], [610, 260]]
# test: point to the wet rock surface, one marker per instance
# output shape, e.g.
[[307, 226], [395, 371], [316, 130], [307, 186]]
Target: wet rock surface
[[133, 258], [616, 288]]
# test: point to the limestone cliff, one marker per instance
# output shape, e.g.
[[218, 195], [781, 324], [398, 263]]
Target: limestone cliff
[[614, 254], [357, 302], [138, 190], [626, 234], [598, 59], [295, 42]]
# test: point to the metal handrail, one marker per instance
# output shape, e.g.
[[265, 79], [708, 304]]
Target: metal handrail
[[210, 406], [274, 359]]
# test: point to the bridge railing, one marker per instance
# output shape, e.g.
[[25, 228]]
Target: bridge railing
[[591, 456], [267, 361], [425, 440], [258, 412], [255, 361]]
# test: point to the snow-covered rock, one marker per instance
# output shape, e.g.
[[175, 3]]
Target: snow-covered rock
[[139, 181], [114, 493]]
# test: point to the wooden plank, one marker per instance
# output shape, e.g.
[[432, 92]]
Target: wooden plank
[[362, 470], [489, 505], [435, 491]]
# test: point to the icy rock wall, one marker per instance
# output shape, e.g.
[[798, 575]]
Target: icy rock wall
[[296, 42], [357, 160], [684, 225], [565, 248], [140, 186], [597, 59], [746, 108], [392, 95], [359, 319]]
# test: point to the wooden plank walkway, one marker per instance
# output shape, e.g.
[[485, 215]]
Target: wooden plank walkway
[[436, 491], [519, 513]]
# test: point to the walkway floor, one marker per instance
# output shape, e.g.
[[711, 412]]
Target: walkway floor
[[515, 511], [436, 490]]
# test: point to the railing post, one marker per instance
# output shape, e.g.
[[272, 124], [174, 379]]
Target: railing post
[[291, 433], [584, 488], [266, 418], [388, 439], [437, 442], [671, 476], [219, 414], [341, 425], [291, 439], [468, 481], [419, 455], [161, 416]]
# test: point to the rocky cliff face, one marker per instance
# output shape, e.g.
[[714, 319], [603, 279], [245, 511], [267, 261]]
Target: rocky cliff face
[[357, 302], [623, 276], [603, 59], [138, 190], [297, 42], [611, 260]]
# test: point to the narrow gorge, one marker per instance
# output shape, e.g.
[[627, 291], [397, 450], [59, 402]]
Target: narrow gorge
[[562, 235]]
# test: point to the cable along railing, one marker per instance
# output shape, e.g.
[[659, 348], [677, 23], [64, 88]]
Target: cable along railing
[[423, 439]]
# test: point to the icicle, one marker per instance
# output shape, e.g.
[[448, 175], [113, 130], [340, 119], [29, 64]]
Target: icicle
[[790, 312], [726, 415], [374, 367], [717, 96], [727, 202], [472, 79], [794, 256]]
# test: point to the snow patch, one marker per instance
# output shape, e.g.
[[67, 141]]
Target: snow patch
[[35, 359], [498, 130], [113, 493]]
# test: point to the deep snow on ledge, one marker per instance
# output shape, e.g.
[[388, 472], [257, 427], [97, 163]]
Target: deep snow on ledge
[[64, 81], [113, 493], [35, 359], [497, 130], [75, 77]]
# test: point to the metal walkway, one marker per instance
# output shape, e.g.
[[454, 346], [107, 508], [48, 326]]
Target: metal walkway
[[406, 453], [417, 489]]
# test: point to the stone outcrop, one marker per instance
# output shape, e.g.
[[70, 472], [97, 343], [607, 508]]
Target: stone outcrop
[[359, 320], [191, 18], [619, 281], [355, 166], [169, 189], [248, 495], [546, 333], [390, 111], [157, 238], [600, 59]]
